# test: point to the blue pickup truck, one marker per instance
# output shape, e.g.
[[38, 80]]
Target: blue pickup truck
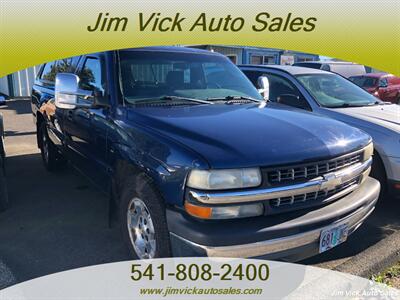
[[195, 162]]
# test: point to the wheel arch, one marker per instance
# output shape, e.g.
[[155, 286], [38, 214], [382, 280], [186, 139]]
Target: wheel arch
[[123, 170], [378, 162]]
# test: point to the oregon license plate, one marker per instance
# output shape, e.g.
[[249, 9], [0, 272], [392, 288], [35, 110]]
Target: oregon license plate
[[333, 236]]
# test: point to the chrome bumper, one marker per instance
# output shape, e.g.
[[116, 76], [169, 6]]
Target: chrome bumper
[[289, 239], [276, 245], [326, 182]]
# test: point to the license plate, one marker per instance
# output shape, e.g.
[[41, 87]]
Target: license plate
[[332, 237]]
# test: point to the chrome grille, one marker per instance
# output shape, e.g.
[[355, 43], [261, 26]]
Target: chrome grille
[[314, 196], [312, 170]]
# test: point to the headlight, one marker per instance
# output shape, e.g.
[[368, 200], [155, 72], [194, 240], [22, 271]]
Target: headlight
[[224, 179], [368, 151], [224, 212]]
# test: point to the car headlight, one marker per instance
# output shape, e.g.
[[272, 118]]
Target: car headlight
[[368, 151], [224, 179]]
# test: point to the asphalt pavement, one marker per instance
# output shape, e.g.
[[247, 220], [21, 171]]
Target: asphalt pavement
[[58, 221]]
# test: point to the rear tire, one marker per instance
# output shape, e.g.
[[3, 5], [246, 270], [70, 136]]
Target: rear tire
[[142, 218], [52, 159]]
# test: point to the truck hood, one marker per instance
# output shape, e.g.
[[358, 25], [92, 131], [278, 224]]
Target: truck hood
[[232, 136], [387, 116]]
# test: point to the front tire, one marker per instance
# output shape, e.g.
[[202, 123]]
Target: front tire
[[52, 159], [142, 219]]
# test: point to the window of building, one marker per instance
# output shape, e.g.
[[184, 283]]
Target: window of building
[[269, 60], [262, 59], [304, 59], [233, 58]]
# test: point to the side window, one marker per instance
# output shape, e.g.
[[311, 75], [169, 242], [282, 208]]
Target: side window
[[49, 72], [65, 65], [90, 75], [383, 82], [326, 67], [253, 76], [278, 87]]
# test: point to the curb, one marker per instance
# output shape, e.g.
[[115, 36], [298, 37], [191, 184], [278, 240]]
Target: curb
[[6, 276], [375, 259]]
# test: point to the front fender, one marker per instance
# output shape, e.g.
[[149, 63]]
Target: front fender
[[166, 163]]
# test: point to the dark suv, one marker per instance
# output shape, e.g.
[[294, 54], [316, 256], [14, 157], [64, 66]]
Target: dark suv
[[196, 162]]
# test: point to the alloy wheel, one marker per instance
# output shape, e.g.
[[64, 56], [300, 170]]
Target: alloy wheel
[[141, 229]]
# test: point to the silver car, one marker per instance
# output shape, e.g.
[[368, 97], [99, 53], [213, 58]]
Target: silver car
[[334, 96]]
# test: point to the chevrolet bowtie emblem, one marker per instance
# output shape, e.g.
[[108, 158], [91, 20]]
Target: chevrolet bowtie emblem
[[330, 181]]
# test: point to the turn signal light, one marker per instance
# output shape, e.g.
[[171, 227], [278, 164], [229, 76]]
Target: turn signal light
[[225, 212], [202, 212]]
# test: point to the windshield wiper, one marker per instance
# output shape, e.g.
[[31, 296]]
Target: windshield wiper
[[344, 105], [171, 98], [234, 98], [379, 102]]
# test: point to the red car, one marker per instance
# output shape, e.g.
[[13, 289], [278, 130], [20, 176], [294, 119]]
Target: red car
[[383, 86]]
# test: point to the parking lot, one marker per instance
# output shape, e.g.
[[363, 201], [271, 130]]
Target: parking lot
[[58, 221]]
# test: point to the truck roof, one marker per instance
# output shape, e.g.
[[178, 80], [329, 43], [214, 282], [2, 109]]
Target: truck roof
[[329, 62], [293, 70], [173, 49]]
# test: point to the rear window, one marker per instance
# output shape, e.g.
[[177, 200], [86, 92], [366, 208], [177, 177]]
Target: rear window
[[365, 82], [308, 65]]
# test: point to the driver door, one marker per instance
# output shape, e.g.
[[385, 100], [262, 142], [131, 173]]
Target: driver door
[[82, 146]]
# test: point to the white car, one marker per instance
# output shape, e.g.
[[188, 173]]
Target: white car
[[331, 95]]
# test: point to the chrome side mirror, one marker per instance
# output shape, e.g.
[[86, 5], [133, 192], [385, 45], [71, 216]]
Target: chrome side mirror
[[66, 90], [263, 86]]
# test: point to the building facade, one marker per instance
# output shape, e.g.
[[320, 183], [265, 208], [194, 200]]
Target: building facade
[[18, 84], [259, 56]]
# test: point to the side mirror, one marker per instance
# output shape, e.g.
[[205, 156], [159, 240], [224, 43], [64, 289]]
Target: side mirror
[[66, 90], [2, 100], [382, 84], [263, 86], [291, 100]]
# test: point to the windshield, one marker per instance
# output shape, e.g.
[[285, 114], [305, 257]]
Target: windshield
[[332, 90], [151, 75], [365, 82]]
